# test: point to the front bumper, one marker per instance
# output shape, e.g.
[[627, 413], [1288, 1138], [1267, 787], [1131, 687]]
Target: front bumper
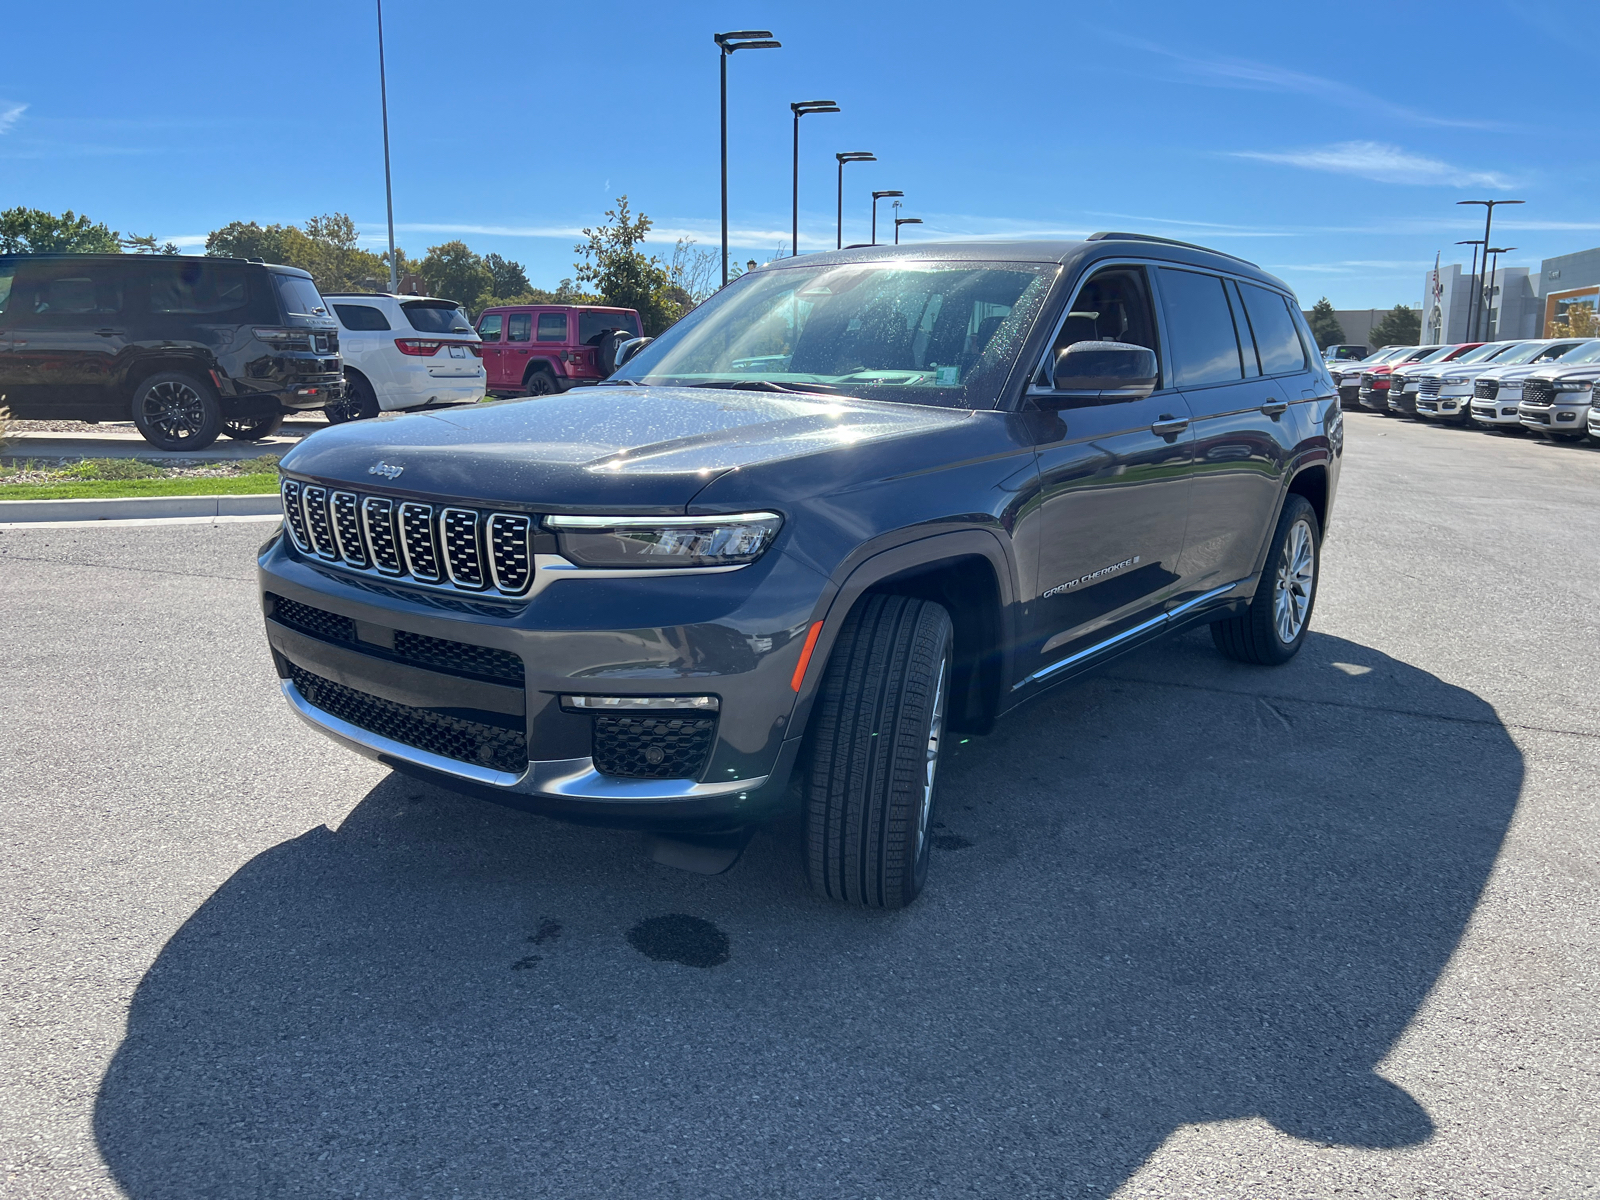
[[1377, 399], [1497, 412], [1449, 406], [736, 636], [1568, 419], [1403, 400]]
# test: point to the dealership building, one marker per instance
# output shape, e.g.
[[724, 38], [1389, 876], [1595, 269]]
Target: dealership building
[[1523, 303]]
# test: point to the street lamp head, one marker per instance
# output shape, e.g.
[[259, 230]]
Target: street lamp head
[[751, 265], [856, 156], [908, 220], [1499, 249], [881, 195], [746, 39], [802, 107], [1491, 203]]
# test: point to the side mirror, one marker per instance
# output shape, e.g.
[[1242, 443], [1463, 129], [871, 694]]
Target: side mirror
[[1103, 373], [629, 348]]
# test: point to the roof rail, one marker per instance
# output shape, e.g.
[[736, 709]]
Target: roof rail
[[1148, 237]]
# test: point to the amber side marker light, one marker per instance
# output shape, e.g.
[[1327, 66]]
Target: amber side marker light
[[805, 656]]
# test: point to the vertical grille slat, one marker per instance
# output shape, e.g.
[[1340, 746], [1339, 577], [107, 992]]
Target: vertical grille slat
[[416, 538], [347, 529], [294, 515], [463, 556], [377, 518], [462, 548], [510, 562], [315, 503]]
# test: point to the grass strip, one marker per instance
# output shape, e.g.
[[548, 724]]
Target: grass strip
[[237, 485]]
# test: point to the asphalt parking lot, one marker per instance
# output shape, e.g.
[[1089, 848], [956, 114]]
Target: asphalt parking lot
[[1195, 929]]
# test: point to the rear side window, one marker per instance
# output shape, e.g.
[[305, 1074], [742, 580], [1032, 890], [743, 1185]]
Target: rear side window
[[300, 296], [62, 289], [195, 288], [1276, 340], [435, 316], [519, 326], [552, 327], [361, 317], [489, 328], [1205, 349], [592, 324], [7, 274]]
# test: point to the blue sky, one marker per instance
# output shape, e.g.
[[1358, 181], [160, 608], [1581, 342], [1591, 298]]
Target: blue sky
[[1328, 143]]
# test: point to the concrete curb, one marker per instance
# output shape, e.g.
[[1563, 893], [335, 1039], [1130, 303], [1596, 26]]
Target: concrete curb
[[141, 508]]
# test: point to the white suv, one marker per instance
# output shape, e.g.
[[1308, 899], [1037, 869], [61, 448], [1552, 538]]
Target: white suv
[[404, 352]]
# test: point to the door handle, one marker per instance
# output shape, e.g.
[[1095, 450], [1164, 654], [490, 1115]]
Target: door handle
[[1169, 426], [1275, 408]]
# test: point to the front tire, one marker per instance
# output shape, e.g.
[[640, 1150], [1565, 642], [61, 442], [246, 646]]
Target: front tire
[[874, 754], [175, 411], [1272, 630]]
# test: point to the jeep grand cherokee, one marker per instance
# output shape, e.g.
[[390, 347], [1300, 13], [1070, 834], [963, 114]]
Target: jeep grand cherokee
[[846, 507]]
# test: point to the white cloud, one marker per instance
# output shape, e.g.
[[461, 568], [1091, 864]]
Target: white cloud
[[1383, 163], [10, 114]]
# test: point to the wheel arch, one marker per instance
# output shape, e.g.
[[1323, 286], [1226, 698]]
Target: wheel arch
[[540, 364], [1311, 481]]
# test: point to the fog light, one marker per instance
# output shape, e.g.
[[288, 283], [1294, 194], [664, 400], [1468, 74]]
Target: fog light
[[1566, 416], [642, 703]]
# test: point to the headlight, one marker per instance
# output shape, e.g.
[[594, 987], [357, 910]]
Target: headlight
[[1574, 385], [1455, 380], [651, 543]]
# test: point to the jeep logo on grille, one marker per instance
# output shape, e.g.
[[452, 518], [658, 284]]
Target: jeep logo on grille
[[384, 469]]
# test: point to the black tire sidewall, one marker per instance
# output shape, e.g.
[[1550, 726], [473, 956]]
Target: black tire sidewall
[[254, 430], [538, 377], [1295, 509], [365, 402], [211, 423]]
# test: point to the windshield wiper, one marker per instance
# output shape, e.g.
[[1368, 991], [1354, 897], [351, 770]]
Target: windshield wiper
[[763, 385]]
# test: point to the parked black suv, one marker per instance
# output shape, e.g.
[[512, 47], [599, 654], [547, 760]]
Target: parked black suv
[[186, 347], [847, 506]]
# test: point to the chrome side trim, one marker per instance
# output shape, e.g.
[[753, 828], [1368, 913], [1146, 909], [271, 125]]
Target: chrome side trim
[[1165, 618], [567, 778]]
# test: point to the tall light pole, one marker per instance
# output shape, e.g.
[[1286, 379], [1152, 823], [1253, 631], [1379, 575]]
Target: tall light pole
[[1488, 219], [737, 39], [1477, 285], [899, 221], [847, 156], [876, 196], [388, 186], [802, 109], [1488, 302]]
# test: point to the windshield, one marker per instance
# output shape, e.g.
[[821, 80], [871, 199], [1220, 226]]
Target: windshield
[[436, 316], [1588, 352], [1389, 355], [1546, 353], [1484, 353], [300, 296], [916, 332], [1524, 352], [1435, 355]]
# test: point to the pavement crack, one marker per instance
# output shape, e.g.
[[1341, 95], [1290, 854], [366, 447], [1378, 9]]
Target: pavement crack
[[100, 566]]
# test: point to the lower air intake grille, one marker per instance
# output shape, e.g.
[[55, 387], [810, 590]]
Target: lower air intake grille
[[652, 747], [330, 627], [449, 737], [458, 657]]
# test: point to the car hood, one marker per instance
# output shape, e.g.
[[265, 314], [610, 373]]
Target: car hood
[[1518, 372], [641, 449], [1589, 370]]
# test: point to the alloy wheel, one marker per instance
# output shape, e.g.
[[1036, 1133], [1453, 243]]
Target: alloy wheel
[[1296, 577], [175, 410]]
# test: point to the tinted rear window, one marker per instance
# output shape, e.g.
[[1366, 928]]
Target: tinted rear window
[[361, 317], [1276, 340], [300, 296], [519, 326], [66, 289], [552, 327], [435, 316], [1205, 349], [191, 287], [592, 324]]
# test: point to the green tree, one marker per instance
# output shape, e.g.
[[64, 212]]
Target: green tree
[[327, 248], [1325, 325], [454, 272], [509, 277], [145, 243], [626, 276], [246, 239], [34, 231], [1401, 326]]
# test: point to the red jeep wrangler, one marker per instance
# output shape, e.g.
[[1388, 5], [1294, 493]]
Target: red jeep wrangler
[[538, 349]]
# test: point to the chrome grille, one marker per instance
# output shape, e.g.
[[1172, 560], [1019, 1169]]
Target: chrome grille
[[1486, 389], [460, 548], [294, 514], [1538, 391], [510, 560], [1429, 387], [463, 557], [377, 517], [315, 502], [347, 529], [418, 540]]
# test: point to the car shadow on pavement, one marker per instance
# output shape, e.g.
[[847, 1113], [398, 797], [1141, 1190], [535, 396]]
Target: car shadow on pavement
[[1184, 891]]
